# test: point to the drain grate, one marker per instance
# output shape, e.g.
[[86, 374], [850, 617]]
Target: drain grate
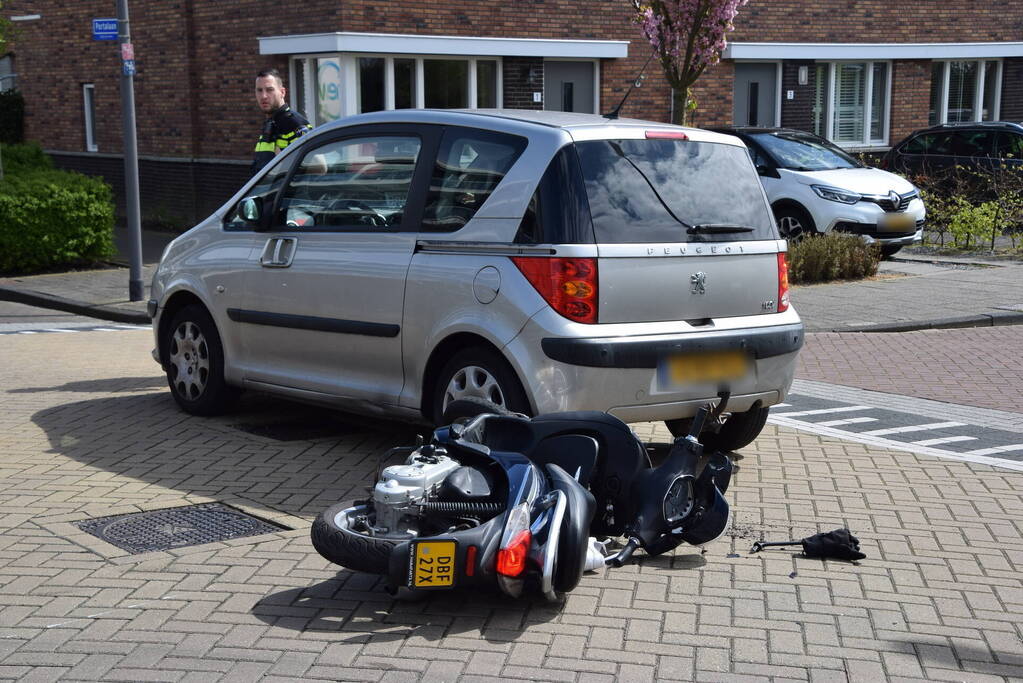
[[181, 527]]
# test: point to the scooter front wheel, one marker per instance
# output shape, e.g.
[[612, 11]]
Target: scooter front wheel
[[335, 539]]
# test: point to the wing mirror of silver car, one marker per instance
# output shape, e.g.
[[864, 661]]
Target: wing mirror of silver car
[[251, 209]]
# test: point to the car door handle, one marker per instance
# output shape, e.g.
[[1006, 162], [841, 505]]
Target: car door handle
[[278, 252]]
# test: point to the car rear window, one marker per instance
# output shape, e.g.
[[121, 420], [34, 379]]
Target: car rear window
[[666, 190]]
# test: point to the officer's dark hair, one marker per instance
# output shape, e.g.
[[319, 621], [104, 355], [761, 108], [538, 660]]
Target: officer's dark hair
[[272, 72]]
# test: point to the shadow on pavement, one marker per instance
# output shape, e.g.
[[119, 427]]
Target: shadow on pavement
[[99, 386], [356, 605], [145, 437]]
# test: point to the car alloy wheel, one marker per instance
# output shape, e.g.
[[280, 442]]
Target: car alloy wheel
[[189, 358]]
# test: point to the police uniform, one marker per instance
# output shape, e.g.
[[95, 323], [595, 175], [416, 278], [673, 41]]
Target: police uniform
[[279, 131]]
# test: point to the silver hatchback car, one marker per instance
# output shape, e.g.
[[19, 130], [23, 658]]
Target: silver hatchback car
[[391, 263]]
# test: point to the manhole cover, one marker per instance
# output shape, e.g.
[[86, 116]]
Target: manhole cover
[[143, 532]]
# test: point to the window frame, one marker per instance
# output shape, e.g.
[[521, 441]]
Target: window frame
[[89, 114], [978, 95], [351, 92], [868, 141]]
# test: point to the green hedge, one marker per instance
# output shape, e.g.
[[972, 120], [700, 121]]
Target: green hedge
[[834, 256], [51, 218]]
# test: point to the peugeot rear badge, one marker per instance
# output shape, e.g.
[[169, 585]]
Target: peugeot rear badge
[[698, 282]]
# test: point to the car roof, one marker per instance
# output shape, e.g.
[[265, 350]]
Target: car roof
[[582, 126], [751, 130], [1010, 125]]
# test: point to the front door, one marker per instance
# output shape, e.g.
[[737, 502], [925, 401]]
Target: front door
[[568, 86], [755, 97], [324, 297]]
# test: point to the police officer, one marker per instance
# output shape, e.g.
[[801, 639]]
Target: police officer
[[283, 126]]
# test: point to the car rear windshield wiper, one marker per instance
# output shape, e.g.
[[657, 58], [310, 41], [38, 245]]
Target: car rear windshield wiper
[[718, 228], [620, 152]]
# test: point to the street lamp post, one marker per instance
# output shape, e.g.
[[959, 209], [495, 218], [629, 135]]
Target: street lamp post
[[131, 153]]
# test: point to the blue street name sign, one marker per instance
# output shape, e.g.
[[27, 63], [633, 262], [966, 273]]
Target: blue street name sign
[[104, 29]]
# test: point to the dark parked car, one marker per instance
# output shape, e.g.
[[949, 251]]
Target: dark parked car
[[977, 146]]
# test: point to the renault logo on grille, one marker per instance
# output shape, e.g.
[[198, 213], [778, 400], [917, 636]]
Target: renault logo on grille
[[894, 198], [698, 282]]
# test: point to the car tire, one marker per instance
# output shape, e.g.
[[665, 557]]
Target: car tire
[[335, 540], [793, 223], [738, 431], [193, 358], [477, 373], [889, 250]]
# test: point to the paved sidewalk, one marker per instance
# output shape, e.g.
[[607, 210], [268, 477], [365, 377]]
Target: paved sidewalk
[[95, 433]]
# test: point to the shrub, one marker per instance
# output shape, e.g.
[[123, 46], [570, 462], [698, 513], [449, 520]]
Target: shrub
[[50, 218], [25, 157], [835, 256]]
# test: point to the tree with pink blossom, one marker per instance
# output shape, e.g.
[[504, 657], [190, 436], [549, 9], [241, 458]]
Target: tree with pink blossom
[[687, 36]]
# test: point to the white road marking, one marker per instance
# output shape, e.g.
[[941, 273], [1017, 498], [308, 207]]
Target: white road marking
[[947, 439], [825, 411], [997, 449], [893, 445], [913, 428], [847, 421]]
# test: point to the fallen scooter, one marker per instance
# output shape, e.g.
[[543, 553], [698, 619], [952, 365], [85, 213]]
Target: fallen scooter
[[521, 503]]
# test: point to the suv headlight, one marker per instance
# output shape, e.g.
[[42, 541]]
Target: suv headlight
[[835, 194]]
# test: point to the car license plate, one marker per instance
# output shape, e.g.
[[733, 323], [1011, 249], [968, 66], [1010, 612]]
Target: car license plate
[[694, 368], [897, 222], [433, 564]]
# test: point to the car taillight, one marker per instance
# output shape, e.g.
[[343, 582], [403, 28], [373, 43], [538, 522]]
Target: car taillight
[[666, 135], [511, 557], [783, 283], [569, 285]]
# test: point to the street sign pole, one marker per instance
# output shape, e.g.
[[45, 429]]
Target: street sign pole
[[131, 153]]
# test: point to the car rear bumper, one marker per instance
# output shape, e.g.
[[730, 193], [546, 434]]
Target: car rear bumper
[[624, 375]]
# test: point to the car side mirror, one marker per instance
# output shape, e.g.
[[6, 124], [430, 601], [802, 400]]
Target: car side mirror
[[767, 171], [251, 209]]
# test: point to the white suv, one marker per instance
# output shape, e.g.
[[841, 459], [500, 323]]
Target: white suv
[[816, 187]]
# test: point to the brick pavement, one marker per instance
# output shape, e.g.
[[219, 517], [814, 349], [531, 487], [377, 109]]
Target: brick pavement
[[89, 429], [978, 366]]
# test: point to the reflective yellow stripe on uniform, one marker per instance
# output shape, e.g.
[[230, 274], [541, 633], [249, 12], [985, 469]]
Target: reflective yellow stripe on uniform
[[264, 146]]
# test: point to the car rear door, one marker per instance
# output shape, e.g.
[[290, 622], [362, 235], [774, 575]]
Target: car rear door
[[324, 296], [683, 229]]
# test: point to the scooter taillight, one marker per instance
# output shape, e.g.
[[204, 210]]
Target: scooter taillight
[[511, 561], [511, 557]]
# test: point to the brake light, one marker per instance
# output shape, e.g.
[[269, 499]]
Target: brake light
[[568, 285], [511, 561], [666, 135], [783, 283]]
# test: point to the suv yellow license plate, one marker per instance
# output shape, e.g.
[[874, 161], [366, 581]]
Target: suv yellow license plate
[[899, 222], [432, 564], [694, 368]]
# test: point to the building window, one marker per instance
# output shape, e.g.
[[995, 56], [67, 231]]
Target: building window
[[851, 103], [341, 85], [965, 91], [89, 105]]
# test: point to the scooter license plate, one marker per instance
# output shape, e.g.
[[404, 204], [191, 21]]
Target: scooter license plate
[[695, 368], [432, 564]]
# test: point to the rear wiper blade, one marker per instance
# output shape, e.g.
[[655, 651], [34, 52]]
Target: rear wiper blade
[[718, 228]]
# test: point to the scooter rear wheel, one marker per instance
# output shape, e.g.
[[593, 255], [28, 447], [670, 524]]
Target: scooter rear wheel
[[335, 540]]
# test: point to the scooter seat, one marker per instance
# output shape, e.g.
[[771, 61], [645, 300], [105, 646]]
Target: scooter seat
[[575, 529]]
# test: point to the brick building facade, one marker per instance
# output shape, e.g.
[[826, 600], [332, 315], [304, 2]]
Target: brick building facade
[[863, 72]]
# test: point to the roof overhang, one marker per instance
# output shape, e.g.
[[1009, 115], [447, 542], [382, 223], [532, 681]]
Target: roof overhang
[[395, 43], [826, 51]]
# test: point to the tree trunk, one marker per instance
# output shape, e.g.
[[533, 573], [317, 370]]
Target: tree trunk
[[680, 106]]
